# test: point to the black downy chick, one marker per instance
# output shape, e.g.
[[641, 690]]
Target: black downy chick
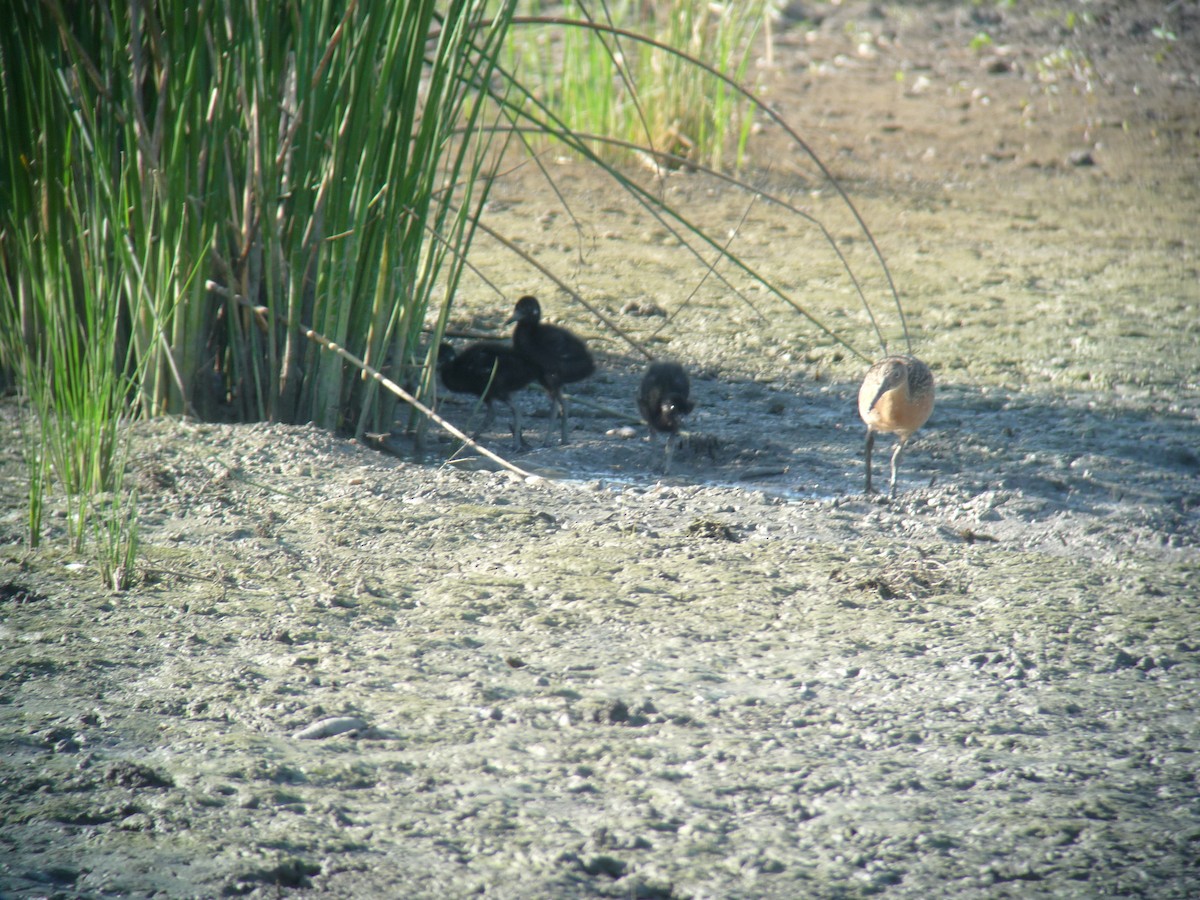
[[560, 357], [663, 400], [491, 371]]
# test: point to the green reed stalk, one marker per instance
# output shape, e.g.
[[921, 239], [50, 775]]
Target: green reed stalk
[[64, 306], [598, 83]]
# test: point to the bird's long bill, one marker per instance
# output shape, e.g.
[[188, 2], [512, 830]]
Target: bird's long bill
[[893, 380], [883, 389]]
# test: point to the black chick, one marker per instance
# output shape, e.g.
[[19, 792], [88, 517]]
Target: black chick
[[663, 400], [491, 371], [560, 357]]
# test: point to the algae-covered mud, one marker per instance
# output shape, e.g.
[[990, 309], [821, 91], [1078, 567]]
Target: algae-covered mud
[[343, 674]]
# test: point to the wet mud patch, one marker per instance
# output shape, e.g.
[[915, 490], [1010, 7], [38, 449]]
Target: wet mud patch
[[590, 685]]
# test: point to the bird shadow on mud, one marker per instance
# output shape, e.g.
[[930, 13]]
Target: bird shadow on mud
[[1042, 455]]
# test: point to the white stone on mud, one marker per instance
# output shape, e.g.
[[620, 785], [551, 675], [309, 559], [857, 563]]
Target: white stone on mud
[[330, 728]]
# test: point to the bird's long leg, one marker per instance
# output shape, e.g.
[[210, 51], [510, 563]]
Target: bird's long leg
[[558, 406], [488, 417], [895, 460], [518, 436], [475, 433], [562, 409], [551, 416], [867, 454], [667, 455]]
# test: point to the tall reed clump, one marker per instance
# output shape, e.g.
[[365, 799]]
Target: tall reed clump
[[603, 84], [61, 322], [76, 385], [185, 181]]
